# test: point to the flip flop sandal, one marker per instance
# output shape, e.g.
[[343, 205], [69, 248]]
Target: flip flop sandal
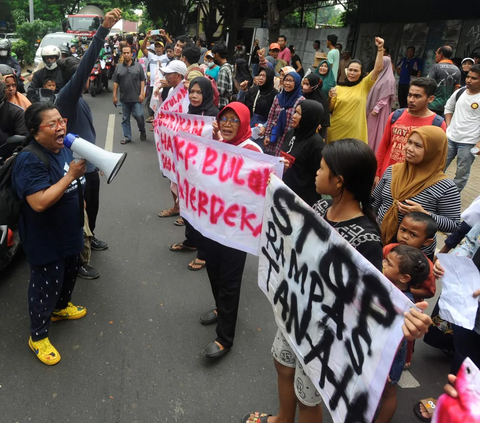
[[429, 404], [181, 247], [168, 213], [125, 141], [255, 417], [151, 129], [179, 222], [196, 262]]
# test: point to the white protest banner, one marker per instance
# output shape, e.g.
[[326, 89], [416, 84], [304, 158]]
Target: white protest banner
[[177, 100], [153, 73], [170, 123], [221, 189], [339, 314]]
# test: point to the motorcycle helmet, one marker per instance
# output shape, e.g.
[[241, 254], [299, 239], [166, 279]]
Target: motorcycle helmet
[[6, 70], [5, 47], [50, 55], [64, 50], [74, 42]]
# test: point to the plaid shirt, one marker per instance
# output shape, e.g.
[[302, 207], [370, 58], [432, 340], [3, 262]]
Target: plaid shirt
[[225, 84], [275, 148]]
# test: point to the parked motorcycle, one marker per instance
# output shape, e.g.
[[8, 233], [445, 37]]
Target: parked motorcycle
[[9, 238]]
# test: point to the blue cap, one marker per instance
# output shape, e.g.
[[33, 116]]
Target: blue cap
[[69, 139]]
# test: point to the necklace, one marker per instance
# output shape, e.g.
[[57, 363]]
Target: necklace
[[351, 218]]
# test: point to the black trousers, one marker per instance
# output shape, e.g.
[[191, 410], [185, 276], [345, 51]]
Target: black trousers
[[92, 197], [225, 270], [467, 344], [51, 286], [403, 95], [193, 238]]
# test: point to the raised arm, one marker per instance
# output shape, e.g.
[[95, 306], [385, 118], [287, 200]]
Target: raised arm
[[143, 46], [379, 60]]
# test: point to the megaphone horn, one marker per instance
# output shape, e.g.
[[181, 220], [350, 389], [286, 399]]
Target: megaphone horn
[[109, 163]]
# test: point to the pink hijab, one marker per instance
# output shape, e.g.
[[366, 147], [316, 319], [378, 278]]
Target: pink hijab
[[384, 86]]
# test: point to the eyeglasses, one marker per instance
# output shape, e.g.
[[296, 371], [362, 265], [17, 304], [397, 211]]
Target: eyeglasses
[[55, 125], [224, 120]]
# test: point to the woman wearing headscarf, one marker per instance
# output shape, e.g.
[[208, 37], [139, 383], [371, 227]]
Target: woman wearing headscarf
[[259, 98], [418, 185], [312, 90], [225, 264], [324, 71], [349, 99], [243, 77], [280, 116], [302, 151], [200, 94], [379, 104]]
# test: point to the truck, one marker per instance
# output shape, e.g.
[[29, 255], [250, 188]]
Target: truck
[[85, 22]]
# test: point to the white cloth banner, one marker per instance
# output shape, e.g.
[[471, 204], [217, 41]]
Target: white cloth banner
[[221, 189], [340, 315], [153, 73], [169, 124]]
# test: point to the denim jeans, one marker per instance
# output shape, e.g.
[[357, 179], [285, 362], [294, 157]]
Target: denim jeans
[[464, 162], [136, 110], [255, 69]]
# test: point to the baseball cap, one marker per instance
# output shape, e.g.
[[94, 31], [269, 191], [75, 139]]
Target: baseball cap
[[151, 47], [158, 44], [175, 66], [209, 54], [274, 46]]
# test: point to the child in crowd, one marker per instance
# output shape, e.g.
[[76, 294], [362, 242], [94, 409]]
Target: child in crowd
[[417, 230], [405, 267], [49, 83]]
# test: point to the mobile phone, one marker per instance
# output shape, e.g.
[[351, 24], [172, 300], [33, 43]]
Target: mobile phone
[[155, 32]]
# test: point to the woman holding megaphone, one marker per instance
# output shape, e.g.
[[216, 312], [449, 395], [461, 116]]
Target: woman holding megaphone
[[50, 186]]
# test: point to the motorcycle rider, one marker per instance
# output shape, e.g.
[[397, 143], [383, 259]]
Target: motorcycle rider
[[50, 55], [12, 95], [7, 59], [12, 122]]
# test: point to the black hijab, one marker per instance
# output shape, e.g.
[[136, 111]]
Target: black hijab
[[269, 81], [316, 84], [312, 115], [243, 73], [206, 108]]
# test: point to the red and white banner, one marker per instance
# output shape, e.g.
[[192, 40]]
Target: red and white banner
[[169, 124], [221, 189], [177, 100]]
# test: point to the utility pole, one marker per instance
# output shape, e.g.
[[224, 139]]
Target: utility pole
[[31, 10]]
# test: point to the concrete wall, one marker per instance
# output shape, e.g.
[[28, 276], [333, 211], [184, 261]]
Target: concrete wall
[[303, 38]]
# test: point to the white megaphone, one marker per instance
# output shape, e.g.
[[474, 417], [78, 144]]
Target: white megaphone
[[108, 163]]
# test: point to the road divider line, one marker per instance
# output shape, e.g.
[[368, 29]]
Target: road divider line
[[110, 133]]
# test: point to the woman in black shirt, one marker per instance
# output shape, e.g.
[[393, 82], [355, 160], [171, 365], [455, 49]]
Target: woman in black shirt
[[296, 62]]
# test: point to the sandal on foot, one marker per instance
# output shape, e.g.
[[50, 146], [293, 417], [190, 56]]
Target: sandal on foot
[[169, 212], [196, 264], [407, 366], [125, 141], [255, 417], [180, 246], [429, 404], [179, 222]]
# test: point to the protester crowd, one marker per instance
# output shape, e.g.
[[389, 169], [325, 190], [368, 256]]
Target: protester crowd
[[375, 174]]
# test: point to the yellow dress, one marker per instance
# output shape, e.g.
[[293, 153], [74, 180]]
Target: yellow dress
[[349, 116]]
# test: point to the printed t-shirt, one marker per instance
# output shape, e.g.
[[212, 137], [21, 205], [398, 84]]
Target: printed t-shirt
[[347, 120], [392, 145], [55, 233], [465, 124], [447, 77]]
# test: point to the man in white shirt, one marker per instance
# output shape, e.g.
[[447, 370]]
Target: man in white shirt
[[333, 56], [462, 115]]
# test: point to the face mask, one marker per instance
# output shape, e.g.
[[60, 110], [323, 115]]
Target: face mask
[[3, 53], [210, 64]]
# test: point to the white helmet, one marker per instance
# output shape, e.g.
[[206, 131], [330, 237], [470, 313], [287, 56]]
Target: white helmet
[[48, 53]]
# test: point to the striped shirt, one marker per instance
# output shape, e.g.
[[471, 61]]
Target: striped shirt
[[441, 200]]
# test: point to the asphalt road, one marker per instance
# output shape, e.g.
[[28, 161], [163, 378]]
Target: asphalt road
[[135, 357]]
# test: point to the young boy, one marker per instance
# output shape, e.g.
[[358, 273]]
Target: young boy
[[405, 267], [417, 230], [49, 84]]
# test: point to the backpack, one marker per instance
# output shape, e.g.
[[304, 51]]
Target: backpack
[[437, 120], [216, 94], [9, 202], [459, 93]]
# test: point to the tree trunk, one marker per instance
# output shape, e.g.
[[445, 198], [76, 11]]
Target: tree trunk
[[274, 21]]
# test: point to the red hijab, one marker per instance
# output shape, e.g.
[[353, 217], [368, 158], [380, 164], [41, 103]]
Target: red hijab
[[243, 113]]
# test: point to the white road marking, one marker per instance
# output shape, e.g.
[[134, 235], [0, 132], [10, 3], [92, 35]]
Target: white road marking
[[110, 133], [408, 381]]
